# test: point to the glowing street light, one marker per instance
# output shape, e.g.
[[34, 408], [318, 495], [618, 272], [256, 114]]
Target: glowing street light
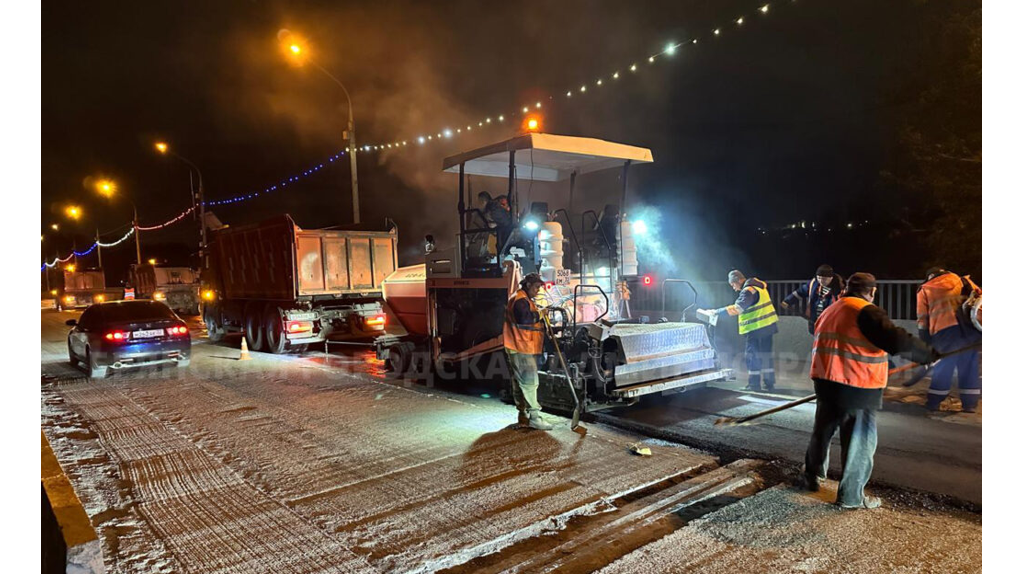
[[108, 188], [73, 212], [55, 227], [199, 201], [297, 49]]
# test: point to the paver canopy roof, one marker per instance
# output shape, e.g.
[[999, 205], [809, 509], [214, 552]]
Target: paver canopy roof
[[547, 157]]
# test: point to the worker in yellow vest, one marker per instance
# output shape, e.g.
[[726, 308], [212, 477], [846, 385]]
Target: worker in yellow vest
[[523, 335], [757, 323], [850, 369]]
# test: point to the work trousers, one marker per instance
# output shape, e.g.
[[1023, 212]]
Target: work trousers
[[858, 438], [758, 355], [967, 367], [524, 381]]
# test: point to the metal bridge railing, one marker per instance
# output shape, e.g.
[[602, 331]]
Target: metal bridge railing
[[897, 296]]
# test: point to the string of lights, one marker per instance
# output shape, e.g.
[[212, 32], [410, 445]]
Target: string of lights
[[615, 76], [443, 134], [91, 248]]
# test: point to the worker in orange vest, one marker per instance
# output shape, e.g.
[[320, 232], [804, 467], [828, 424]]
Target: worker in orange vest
[[523, 335], [850, 369], [942, 321]]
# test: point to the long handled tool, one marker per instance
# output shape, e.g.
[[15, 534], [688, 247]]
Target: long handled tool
[[578, 409], [735, 421], [928, 368]]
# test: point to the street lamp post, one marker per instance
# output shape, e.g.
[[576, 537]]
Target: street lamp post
[[297, 50], [163, 148], [107, 188], [135, 222]]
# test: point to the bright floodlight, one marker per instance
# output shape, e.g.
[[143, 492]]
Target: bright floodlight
[[670, 49], [639, 227], [295, 48], [531, 225]]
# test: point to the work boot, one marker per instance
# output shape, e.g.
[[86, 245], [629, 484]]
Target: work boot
[[752, 388], [869, 502], [537, 422], [524, 420], [808, 483]]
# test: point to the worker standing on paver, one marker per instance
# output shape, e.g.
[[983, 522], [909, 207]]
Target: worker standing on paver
[[850, 370], [942, 321], [818, 293], [523, 335], [757, 323]]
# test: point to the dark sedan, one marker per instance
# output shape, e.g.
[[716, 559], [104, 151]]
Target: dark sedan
[[128, 334]]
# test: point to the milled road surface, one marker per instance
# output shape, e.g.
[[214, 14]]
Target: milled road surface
[[301, 464]]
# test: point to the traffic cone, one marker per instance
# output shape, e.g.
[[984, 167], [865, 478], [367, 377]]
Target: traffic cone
[[244, 355]]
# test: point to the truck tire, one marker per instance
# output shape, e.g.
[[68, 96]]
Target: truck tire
[[273, 326], [214, 330], [254, 327], [400, 358]]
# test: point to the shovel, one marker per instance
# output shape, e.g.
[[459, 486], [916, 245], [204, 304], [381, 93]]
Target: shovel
[[736, 421], [578, 409], [928, 368]]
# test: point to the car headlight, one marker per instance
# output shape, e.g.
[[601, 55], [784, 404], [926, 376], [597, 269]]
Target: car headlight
[[159, 295]]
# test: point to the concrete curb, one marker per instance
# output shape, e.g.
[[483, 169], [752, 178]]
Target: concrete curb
[[69, 542]]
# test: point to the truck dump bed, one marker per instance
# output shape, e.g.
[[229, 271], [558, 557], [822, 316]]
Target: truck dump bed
[[278, 260]]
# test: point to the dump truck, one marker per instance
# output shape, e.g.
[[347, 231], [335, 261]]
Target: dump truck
[[178, 287], [284, 287], [83, 287], [452, 307]]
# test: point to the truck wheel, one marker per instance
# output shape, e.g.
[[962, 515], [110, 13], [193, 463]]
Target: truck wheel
[[214, 331], [273, 326], [95, 372], [399, 358], [254, 328]]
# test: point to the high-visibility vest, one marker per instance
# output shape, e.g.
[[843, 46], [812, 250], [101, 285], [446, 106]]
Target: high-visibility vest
[[938, 301], [760, 314], [522, 338], [842, 353]]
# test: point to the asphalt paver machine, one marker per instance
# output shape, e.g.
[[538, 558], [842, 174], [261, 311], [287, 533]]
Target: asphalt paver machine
[[452, 306]]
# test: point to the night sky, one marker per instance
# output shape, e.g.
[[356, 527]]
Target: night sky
[[790, 117]]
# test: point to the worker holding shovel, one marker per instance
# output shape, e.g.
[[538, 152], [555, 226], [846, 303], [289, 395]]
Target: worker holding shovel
[[524, 342], [850, 370]]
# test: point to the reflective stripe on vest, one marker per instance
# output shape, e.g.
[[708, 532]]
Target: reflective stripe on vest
[[522, 338], [842, 353], [759, 315], [942, 297]]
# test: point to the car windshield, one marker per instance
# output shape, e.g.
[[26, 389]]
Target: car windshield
[[136, 311]]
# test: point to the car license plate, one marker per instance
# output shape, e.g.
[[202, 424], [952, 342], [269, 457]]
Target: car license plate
[[147, 333], [301, 316]]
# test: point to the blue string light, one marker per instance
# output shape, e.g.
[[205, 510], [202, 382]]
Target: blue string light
[[305, 173]]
